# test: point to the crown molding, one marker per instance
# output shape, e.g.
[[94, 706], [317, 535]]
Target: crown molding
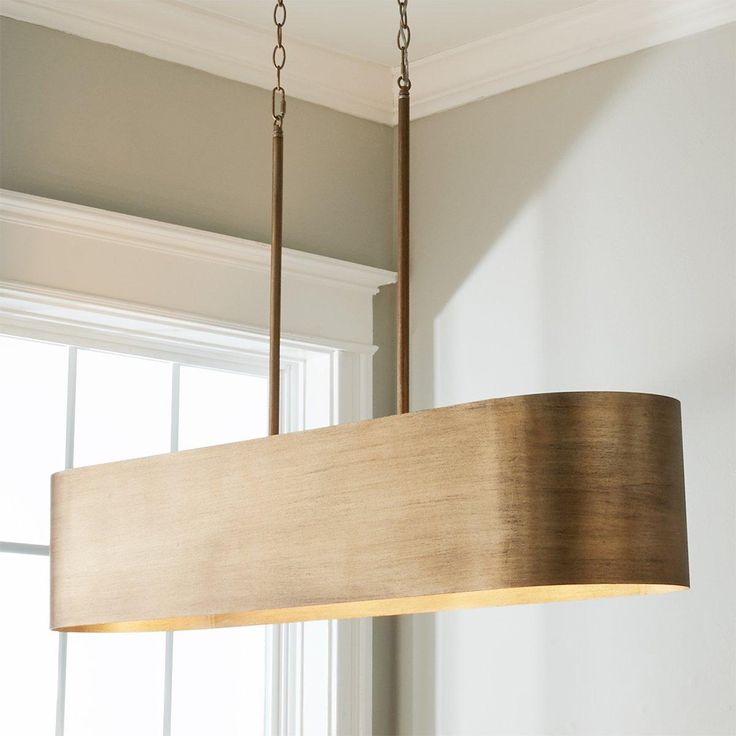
[[179, 241], [176, 32], [553, 45]]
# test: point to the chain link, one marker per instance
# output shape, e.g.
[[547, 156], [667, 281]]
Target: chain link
[[278, 95], [403, 39]]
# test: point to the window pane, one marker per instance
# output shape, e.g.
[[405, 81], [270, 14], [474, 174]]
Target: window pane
[[316, 678], [28, 649], [114, 684], [317, 404], [219, 406], [123, 407], [218, 682], [32, 434]]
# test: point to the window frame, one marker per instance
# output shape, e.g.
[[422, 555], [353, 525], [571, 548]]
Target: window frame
[[81, 323]]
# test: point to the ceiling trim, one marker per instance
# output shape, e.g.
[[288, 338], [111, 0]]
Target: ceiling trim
[[229, 48], [557, 44], [561, 43]]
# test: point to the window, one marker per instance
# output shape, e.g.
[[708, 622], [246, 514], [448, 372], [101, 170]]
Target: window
[[65, 406]]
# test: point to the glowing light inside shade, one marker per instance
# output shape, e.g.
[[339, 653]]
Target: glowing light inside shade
[[392, 607]]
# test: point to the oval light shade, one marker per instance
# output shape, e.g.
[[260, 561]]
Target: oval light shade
[[527, 499]]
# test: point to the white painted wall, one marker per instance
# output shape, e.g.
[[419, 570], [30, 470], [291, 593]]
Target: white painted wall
[[580, 234]]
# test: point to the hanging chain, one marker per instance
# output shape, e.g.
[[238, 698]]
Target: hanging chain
[[403, 40], [278, 96]]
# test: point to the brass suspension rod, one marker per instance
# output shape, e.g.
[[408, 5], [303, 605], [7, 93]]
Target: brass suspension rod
[[275, 326], [403, 39], [402, 376]]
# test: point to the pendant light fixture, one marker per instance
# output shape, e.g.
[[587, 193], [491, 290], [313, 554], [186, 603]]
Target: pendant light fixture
[[533, 498]]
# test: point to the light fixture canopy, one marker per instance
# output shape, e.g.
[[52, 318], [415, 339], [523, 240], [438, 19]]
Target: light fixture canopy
[[536, 498]]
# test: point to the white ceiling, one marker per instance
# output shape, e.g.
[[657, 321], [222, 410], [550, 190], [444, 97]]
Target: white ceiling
[[366, 29], [342, 53]]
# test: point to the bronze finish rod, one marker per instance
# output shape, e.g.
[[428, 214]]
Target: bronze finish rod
[[274, 363], [402, 350]]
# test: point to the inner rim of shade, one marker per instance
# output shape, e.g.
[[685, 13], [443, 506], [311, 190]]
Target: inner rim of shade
[[388, 607]]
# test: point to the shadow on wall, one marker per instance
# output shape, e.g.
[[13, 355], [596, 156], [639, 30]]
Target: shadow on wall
[[474, 169]]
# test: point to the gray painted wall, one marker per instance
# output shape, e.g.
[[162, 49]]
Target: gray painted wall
[[98, 125], [580, 233]]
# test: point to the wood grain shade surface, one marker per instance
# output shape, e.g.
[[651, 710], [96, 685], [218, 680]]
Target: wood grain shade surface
[[527, 499]]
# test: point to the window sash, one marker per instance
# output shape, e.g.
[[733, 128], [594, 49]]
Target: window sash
[[179, 339]]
